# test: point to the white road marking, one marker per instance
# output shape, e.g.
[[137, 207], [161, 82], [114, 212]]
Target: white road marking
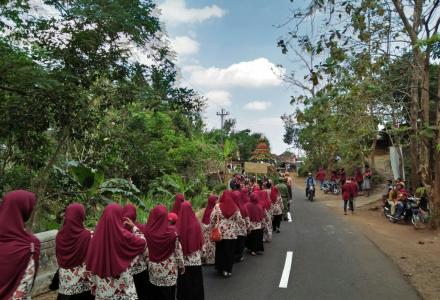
[[289, 217], [286, 271]]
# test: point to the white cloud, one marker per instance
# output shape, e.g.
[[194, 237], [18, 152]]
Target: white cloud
[[184, 45], [256, 73], [258, 105], [175, 12], [218, 98]]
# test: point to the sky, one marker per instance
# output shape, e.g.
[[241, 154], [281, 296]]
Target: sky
[[226, 50]]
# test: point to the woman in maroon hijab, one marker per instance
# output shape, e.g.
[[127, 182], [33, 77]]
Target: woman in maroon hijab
[[190, 284], [139, 265], [265, 203], [208, 253], [165, 255], [19, 249], [177, 203], [225, 216], [71, 245], [242, 228], [111, 253], [254, 241], [277, 208]]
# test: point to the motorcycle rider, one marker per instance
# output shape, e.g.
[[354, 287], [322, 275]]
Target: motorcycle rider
[[310, 181]]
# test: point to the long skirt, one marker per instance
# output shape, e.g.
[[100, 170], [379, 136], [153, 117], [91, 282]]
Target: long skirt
[[254, 241], [163, 292], [239, 247], [224, 255], [190, 284], [83, 296], [208, 250], [143, 285], [276, 222]]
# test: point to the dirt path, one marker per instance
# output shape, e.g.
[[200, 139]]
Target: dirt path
[[416, 252]]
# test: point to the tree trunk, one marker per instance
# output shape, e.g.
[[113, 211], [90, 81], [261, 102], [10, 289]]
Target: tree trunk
[[425, 145], [414, 114], [434, 195], [40, 183]]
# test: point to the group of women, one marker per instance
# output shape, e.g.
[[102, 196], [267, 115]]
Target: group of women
[[123, 259]]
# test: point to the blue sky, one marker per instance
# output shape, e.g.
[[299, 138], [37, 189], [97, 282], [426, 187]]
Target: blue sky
[[227, 51]]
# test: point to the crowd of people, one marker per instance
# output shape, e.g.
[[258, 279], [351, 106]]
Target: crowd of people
[[362, 179], [124, 259]]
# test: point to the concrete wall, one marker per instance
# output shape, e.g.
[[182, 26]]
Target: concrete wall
[[48, 262]]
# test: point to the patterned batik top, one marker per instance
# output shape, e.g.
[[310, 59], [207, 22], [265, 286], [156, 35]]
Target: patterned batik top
[[253, 225], [193, 259], [228, 227], [120, 288], [208, 253], [165, 273], [140, 262], [74, 281], [23, 291], [278, 207]]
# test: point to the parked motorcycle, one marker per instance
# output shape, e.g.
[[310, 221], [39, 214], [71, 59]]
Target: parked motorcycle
[[331, 187], [410, 209]]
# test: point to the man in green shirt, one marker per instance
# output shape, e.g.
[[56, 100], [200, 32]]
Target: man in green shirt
[[282, 188]]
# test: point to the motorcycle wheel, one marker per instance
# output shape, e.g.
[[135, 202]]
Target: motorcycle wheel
[[416, 221]]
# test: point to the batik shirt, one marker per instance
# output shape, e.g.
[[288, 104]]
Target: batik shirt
[[23, 291], [165, 273], [228, 227], [277, 207], [140, 262], [253, 225], [208, 250], [74, 281], [118, 288], [193, 259]]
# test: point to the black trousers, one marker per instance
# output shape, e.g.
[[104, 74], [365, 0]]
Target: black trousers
[[190, 284], [143, 285], [163, 292], [224, 255], [350, 203], [276, 222], [254, 241], [83, 296], [239, 247]]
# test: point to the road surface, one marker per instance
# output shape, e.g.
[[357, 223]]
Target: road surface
[[331, 259]]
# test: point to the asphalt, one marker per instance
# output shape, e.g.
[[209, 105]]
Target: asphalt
[[331, 260]]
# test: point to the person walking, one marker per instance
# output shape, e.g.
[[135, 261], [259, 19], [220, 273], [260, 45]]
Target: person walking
[[320, 176], [189, 230], [367, 181], [19, 248], [254, 240], [241, 227], [282, 188], [208, 250], [347, 196], [71, 245], [267, 223], [165, 256], [277, 209], [110, 255], [225, 216], [139, 265], [179, 199]]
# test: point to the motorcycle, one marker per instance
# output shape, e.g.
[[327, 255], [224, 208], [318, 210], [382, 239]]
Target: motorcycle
[[331, 187], [409, 210], [310, 192], [421, 215]]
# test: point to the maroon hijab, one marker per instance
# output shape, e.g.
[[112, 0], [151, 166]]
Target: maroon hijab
[[113, 247], [17, 245], [161, 236], [236, 195], [189, 230], [129, 211], [274, 194], [254, 210], [73, 239], [227, 204], [208, 210], [177, 203], [264, 200]]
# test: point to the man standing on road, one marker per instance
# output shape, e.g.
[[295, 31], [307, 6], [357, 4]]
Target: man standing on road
[[282, 188]]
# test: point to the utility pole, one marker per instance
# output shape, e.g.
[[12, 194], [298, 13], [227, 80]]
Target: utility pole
[[223, 113]]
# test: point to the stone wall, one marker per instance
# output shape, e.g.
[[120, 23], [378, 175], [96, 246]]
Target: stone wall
[[48, 262]]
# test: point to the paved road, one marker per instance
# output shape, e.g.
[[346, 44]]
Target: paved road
[[331, 260]]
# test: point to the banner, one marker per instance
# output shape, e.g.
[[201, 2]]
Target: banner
[[255, 168]]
